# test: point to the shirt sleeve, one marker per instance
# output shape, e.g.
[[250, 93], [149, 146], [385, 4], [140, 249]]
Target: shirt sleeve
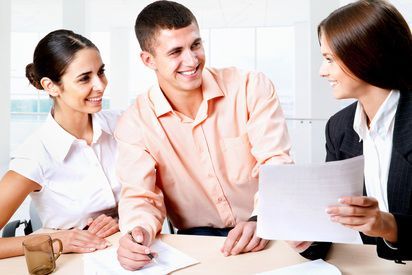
[[266, 125], [403, 249], [141, 201], [28, 168]]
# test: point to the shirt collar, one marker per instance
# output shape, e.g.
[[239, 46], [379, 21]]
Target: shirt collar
[[381, 122], [210, 90], [159, 101], [58, 142], [360, 122], [100, 125], [210, 87]]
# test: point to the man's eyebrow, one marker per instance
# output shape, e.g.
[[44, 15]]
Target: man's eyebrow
[[174, 49]]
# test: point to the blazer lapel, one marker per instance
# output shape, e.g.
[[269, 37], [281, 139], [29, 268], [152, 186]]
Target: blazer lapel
[[400, 171], [350, 144]]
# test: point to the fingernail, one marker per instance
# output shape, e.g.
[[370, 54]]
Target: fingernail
[[328, 210], [225, 254], [139, 239], [333, 218], [108, 244], [340, 200], [147, 251], [92, 249]]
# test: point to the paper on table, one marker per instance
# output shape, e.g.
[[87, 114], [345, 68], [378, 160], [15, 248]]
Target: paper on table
[[104, 262], [293, 199], [318, 267]]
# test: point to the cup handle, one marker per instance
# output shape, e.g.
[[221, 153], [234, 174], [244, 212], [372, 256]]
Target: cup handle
[[57, 255]]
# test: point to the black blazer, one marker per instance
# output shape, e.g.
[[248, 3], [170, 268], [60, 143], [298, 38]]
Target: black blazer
[[342, 142]]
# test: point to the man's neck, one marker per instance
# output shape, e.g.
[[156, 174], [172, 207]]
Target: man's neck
[[185, 102]]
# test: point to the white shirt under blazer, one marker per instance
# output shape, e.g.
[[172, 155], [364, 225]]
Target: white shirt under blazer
[[377, 146], [78, 180]]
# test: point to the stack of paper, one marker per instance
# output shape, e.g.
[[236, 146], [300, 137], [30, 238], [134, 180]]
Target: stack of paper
[[104, 262]]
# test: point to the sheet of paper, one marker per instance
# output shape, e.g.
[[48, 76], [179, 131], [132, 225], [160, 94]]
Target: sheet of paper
[[293, 199], [104, 262], [318, 267]]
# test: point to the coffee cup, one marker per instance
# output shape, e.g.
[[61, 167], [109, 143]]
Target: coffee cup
[[39, 253]]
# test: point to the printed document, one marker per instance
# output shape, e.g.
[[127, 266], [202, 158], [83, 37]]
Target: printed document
[[104, 262], [293, 199]]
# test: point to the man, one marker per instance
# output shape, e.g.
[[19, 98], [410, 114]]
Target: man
[[193, 144]]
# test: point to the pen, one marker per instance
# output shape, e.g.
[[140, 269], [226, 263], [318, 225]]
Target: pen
[[150, 255]]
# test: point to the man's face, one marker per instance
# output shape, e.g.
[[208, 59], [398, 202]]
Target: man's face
[[178, 59]]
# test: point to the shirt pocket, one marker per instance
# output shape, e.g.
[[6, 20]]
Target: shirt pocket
[[239, 160]]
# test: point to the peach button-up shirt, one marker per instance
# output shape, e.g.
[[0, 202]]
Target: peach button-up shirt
[[203, 171]]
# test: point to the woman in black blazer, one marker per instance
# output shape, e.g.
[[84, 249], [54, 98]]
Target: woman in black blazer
[[367, 51]]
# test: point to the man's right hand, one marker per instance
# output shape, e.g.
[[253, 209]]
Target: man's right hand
[[132, 255]]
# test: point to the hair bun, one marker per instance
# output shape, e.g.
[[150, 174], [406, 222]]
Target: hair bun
[[32, 77]]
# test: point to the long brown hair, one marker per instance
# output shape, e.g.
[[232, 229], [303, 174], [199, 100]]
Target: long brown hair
[[373, 41]]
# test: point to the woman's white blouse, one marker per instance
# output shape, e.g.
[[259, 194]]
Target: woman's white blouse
[[78, 180], [377, 147]]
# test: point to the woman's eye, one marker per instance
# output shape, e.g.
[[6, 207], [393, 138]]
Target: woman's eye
[[84, 79]]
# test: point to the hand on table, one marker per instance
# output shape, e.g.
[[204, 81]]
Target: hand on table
[[363, 214], [103, 226], [131, 254], [243, 239], [80, 241]]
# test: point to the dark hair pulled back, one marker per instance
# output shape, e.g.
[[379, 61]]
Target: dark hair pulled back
[[53, 54]]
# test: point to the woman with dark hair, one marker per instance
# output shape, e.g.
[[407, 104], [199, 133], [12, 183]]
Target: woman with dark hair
[[67, 165], [367, 51]]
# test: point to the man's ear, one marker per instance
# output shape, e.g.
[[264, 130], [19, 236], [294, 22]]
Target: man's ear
[[49, 86], [148, 60]]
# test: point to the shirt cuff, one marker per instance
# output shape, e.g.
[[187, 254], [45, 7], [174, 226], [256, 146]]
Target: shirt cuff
[[390, 245]]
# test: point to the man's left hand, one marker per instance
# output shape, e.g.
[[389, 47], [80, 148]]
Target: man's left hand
[[243, 239]]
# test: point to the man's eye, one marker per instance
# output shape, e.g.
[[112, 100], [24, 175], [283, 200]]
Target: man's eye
[[197, 45]]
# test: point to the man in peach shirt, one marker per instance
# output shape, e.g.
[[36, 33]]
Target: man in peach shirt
[[193, 144]]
